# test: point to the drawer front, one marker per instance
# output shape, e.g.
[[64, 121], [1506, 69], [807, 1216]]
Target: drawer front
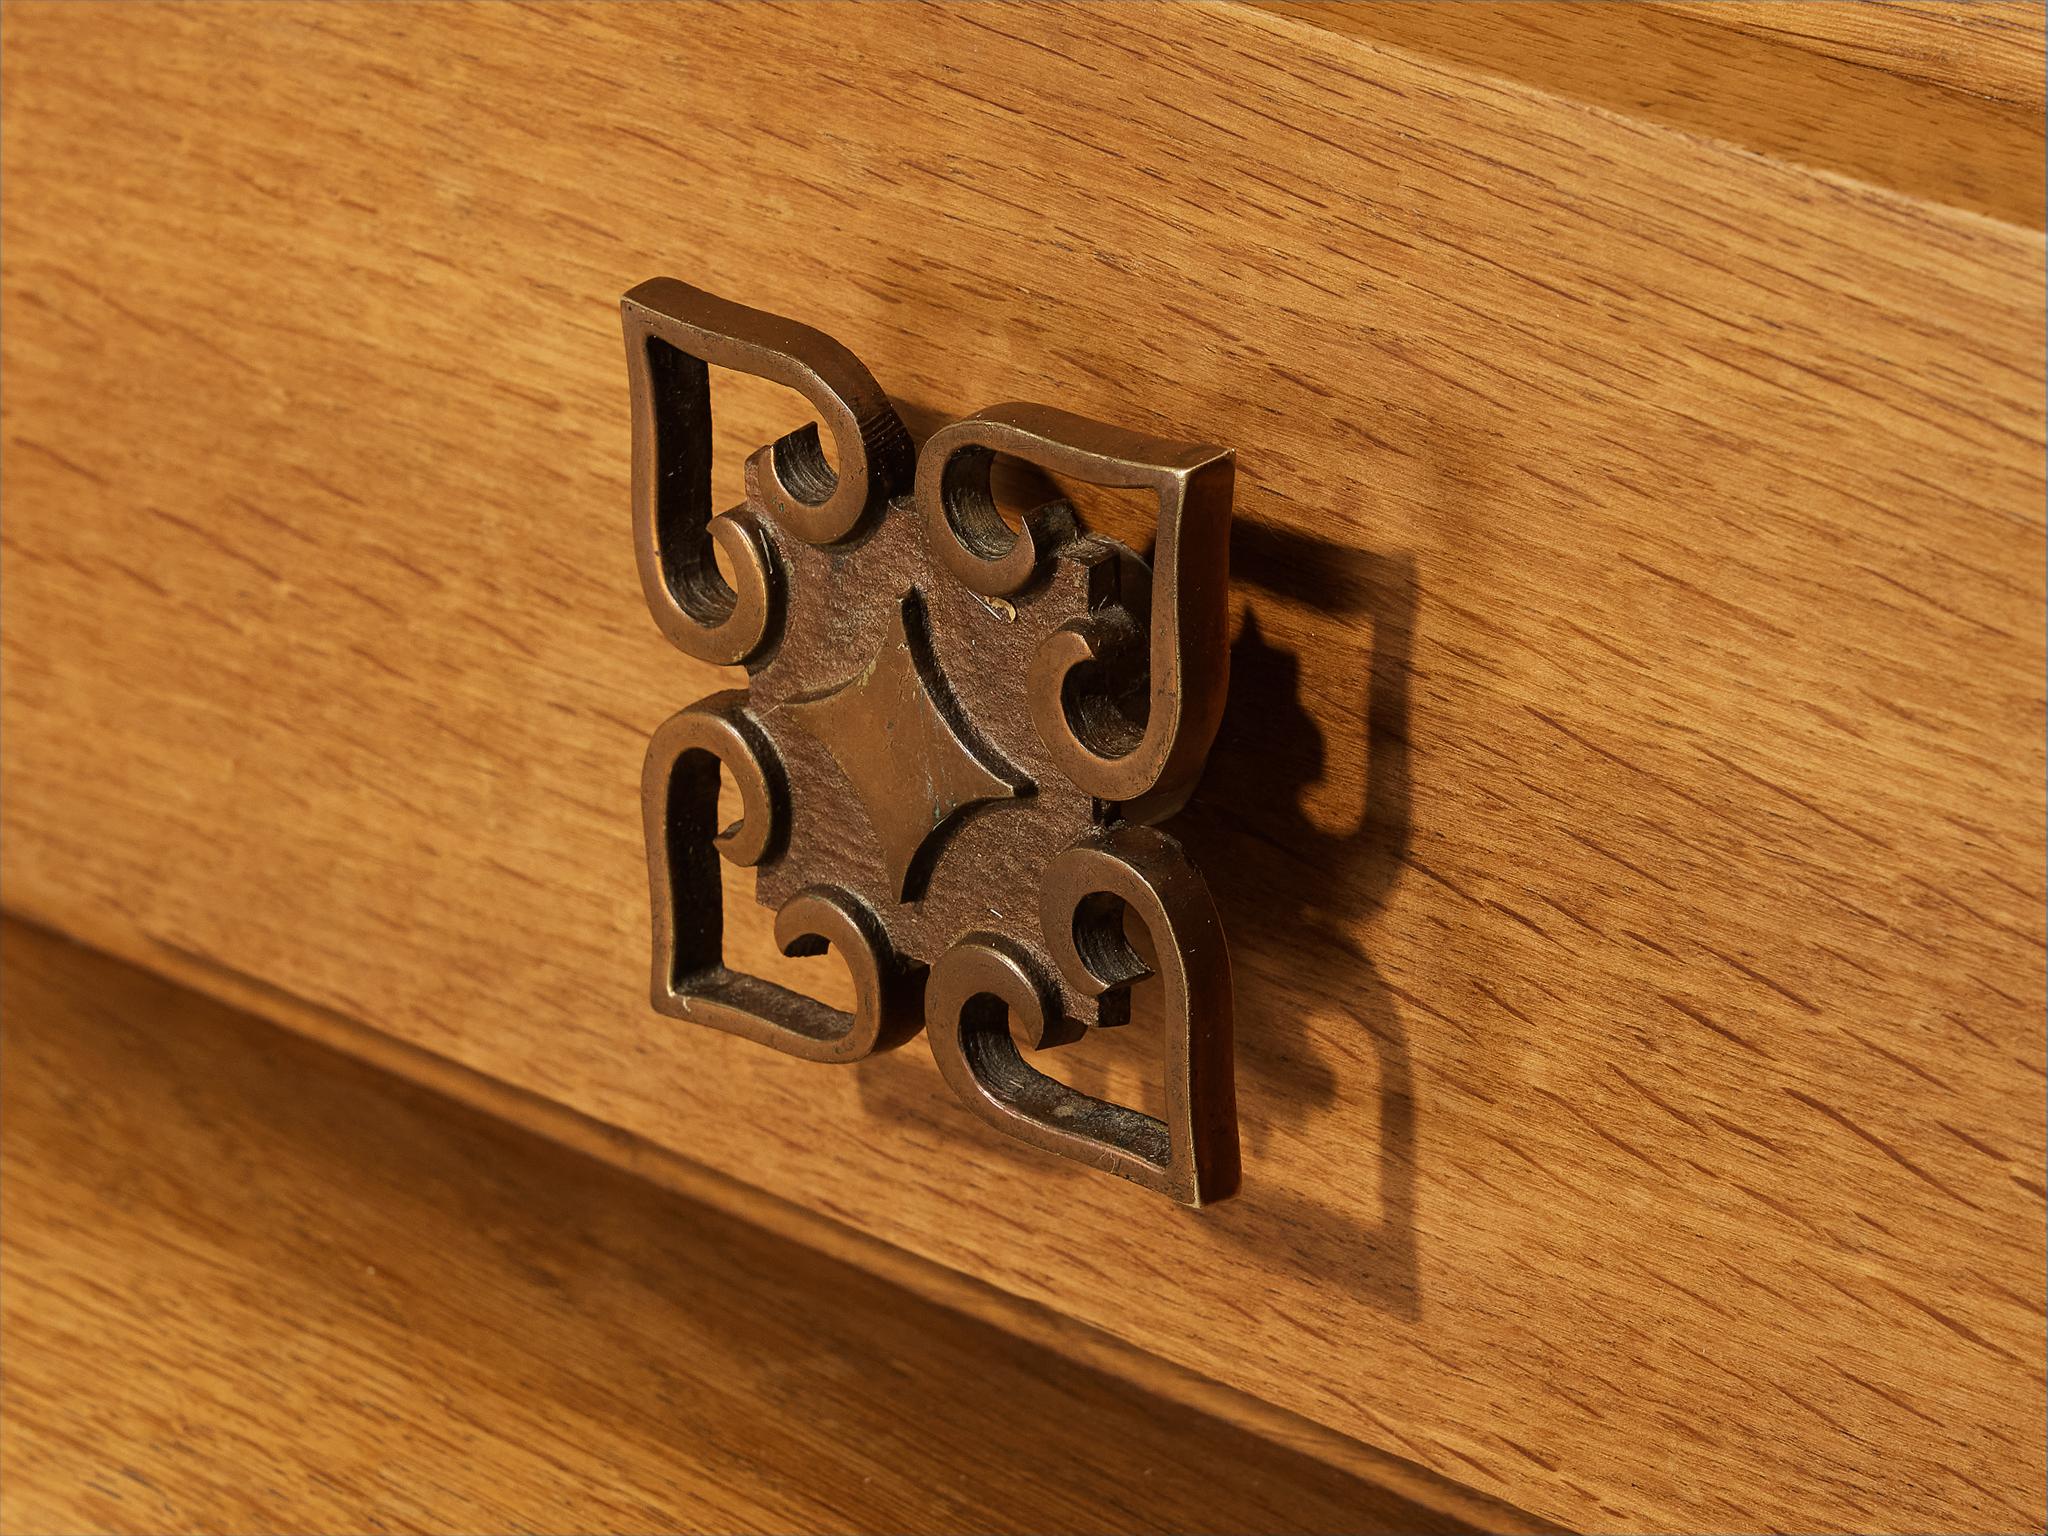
[[1628, 819]]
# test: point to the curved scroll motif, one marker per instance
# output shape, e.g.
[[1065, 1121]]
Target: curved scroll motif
[[679, 794], [1147, 773], [673, 334], [888, 994], [983, 981]]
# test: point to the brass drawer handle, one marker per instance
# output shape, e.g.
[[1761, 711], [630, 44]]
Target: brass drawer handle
[[954, 740]]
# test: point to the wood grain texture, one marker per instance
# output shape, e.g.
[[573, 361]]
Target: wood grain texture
[[1888, 94], [1986, 48], [253, 1285], [1629, 821], [949, 1290]]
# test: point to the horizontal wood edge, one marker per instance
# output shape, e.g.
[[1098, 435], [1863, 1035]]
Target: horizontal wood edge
[[958, 1292], [1883, 121]]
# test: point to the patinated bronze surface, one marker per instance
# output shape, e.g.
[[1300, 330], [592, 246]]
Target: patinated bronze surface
[[954, 741]]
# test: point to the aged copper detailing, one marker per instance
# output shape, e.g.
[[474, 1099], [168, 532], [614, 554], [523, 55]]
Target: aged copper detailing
[[954, 740]]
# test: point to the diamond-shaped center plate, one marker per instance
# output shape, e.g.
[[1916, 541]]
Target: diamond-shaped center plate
[[902, 742]]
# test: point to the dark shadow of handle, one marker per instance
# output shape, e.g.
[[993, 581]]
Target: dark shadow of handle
[[1294, 893]]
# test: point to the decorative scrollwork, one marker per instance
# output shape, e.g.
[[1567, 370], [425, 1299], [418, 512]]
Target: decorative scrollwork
[[674, 335], [691, 979], [1188, 661], [984, 985], [953, 739]]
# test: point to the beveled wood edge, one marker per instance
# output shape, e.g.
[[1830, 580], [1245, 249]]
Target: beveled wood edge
[[1736, 105], [1019, 1316]]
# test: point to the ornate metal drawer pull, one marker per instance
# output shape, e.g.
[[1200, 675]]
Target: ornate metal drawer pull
[[954, 738]]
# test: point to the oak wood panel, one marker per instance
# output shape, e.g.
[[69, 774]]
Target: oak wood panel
[[253, 1285], [1629, 819], [1866, 90], [950, 1290], [1979, 47]]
